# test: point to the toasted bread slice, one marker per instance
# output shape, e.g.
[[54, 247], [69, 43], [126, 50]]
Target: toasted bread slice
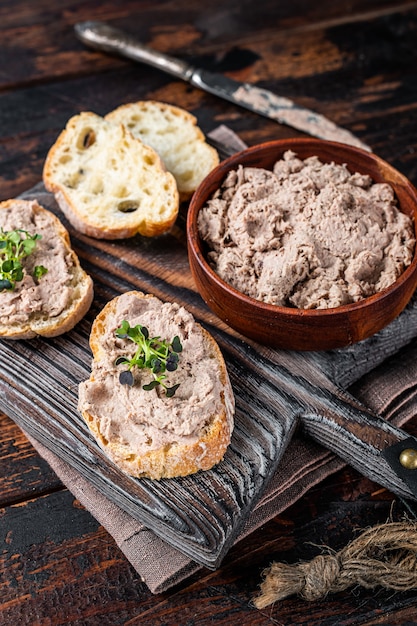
[[174, 134], [52, 304], [145, 432], [109, 184]]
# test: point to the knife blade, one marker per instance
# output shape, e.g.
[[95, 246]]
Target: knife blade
[[102, 36]]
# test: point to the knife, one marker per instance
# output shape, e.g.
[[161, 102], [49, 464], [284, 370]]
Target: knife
[[101, 36]]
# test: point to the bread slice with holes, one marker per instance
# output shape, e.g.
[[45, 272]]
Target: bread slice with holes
[[55, 302], [175, 135], [145, 432], [109, 184]]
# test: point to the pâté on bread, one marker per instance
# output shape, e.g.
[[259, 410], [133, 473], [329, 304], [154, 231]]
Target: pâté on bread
[[156, 421], [43, 288]]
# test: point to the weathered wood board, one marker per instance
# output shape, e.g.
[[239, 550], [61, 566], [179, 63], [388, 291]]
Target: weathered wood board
[[200, 515]]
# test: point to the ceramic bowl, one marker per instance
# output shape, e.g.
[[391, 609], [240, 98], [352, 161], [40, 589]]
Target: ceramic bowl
[[292, 328]]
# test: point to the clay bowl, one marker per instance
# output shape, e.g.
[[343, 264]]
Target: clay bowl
[[291, 328]]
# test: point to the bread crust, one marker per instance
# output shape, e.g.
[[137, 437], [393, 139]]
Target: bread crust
[[109, 184], [175, 135], [38, 324], [173, 459]]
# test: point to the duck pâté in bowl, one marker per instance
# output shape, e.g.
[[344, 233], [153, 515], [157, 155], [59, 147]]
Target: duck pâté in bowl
[[304, 244]]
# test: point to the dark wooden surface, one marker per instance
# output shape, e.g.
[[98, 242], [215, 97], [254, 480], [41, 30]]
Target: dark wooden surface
[[352, 61]]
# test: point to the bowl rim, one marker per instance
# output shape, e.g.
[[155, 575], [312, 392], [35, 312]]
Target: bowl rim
[[195, 241]]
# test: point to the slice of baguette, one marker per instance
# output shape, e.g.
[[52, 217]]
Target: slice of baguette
[[53, 304], [174, 134], [146, 433], [109, 184]]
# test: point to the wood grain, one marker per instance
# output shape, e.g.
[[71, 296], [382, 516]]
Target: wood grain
[[22, 472]]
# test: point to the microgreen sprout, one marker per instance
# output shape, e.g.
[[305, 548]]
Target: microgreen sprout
[[15, 245], [153, 353]]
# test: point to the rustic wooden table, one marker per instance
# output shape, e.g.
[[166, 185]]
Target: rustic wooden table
[[354, 62]]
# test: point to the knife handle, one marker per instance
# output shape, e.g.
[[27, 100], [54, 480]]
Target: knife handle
[[364, 440], [101, 36]]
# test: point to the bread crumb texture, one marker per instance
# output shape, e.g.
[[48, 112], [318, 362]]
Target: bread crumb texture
[[146, 433], [109, 184], [176, 137]]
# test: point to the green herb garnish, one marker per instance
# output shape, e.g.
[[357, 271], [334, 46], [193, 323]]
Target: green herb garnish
[[15, 245], [153, 353]]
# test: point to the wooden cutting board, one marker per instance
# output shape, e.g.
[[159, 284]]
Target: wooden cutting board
[[200, 515]]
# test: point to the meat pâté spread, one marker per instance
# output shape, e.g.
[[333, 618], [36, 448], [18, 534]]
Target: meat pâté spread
[[144, 420], [307, 234], [49, 295]]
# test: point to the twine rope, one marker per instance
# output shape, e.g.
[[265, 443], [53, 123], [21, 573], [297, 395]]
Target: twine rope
[[384, 555]]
